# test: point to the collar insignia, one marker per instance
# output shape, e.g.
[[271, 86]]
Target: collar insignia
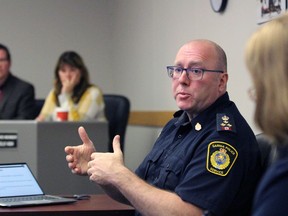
[[198, 126]]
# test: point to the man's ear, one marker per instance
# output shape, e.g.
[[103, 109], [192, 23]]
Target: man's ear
[[223, 81]]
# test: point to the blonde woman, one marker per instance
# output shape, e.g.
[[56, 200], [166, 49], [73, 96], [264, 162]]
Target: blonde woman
[[267, 61]]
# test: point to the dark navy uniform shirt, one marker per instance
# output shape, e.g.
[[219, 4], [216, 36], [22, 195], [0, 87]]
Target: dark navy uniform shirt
[[212, 161], [272, 194]]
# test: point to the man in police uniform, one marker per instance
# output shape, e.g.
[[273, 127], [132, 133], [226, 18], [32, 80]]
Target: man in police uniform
[[206, 160]]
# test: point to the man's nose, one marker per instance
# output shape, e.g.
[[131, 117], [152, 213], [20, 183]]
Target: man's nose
[[184, 76]]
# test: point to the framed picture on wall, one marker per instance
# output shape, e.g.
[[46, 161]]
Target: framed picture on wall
[[269, 9]]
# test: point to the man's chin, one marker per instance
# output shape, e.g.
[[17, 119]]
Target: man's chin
[[183, 105]]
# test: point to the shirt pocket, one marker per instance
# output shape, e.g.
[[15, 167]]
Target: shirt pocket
[[151, 167], [170, 173]]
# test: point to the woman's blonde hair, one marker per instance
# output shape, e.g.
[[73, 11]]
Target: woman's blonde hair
[[267, 61]]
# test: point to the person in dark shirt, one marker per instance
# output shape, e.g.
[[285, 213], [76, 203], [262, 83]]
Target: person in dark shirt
[[267, 61], [205, 159], [17, 97]]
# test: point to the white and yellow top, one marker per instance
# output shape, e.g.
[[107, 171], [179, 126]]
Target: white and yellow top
[[90, 106]]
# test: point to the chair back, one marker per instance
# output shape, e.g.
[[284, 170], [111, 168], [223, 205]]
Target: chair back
[[267, 149], [38, 106], [117, 109]]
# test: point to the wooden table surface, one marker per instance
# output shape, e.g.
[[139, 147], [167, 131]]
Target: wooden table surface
[[96, 205]]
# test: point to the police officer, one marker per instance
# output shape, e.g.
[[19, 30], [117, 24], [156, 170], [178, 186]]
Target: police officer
[[205, 159]]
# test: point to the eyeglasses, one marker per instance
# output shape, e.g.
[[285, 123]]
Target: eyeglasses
[[192, 73], [3, 60], [252, 93]]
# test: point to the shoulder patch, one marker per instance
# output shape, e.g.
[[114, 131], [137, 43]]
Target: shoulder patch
[[220, 158], [225, 122]]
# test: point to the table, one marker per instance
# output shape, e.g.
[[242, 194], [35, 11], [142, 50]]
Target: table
[[100, 204]]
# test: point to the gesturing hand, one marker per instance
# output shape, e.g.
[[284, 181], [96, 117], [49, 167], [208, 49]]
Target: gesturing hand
[[69, 83], [79, 156], [104, 167]]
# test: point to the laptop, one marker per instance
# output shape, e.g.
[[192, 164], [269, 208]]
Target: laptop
[[19, 188]]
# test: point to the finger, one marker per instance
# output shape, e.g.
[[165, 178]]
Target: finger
[[69, 150], [93, 155], [71, 166], [69, 158], [116, 144], [89, 168], [74, 79], [75, 171], [65, 82], [84, 136]]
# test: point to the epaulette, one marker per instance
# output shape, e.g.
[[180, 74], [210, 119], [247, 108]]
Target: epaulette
[[225, 122]]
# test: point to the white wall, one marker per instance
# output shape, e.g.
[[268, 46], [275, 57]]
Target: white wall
[[38, 31], [146, 37], [126, 44]]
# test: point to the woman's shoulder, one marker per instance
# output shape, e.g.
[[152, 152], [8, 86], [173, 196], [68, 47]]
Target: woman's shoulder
[[94, 91], [272, 193], [276, 174], [51, 93], [93, 88], [280, 167]]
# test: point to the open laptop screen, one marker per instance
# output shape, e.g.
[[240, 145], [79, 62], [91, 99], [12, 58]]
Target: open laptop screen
[[18, 180]]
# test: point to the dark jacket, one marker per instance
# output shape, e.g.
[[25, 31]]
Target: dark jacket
[[18, 100]]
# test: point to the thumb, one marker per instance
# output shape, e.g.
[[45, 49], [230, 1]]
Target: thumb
[[84, 136], [116, 145]]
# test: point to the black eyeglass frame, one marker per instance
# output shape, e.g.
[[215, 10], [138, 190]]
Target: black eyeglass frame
[[187, 70]]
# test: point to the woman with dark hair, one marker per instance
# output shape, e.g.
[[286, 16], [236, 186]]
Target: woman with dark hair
[[72, 91]]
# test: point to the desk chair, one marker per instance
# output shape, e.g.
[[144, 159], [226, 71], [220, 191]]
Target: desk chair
[[117, 109], [267, 149], [38, 106]]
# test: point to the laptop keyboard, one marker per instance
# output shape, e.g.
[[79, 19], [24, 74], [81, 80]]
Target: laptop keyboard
[[28, 198]]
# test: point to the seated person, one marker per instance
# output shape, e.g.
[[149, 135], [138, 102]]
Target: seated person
[[17, 97], [206, 161], [73, 91], [266, 59]]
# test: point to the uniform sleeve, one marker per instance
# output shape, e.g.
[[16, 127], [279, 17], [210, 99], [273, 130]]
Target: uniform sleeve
[[211, 179]]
